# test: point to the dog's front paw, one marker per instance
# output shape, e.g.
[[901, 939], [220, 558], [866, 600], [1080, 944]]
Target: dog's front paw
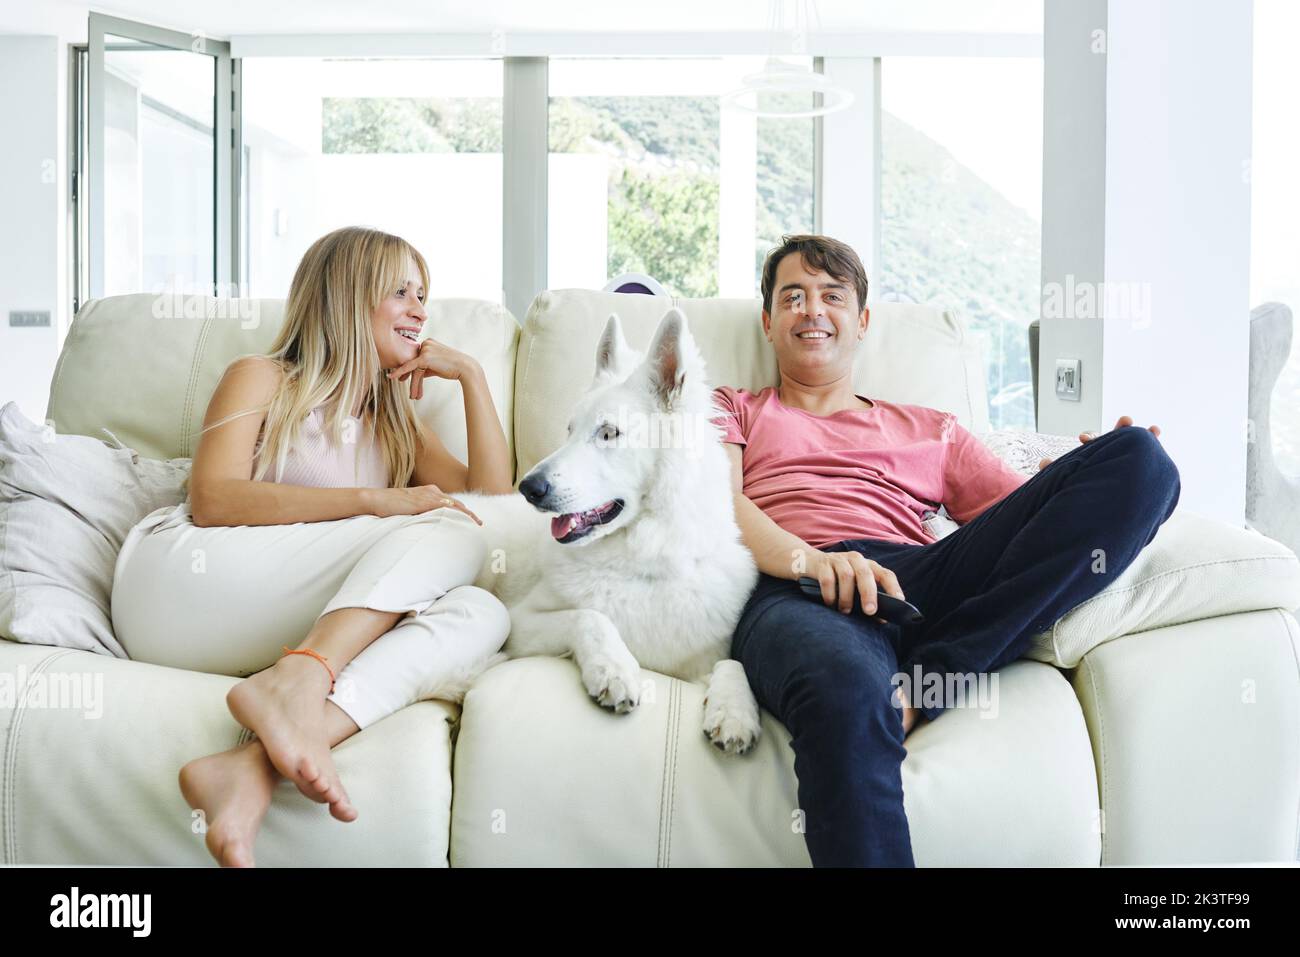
[[731, 725], [611, 685]]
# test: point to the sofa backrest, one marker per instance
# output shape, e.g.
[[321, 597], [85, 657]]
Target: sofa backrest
[[911, 354], [144, 366]]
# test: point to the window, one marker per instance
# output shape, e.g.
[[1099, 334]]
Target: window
[[1274, 202], [649, 173], [409, 146], [158, 168], [961, 204]]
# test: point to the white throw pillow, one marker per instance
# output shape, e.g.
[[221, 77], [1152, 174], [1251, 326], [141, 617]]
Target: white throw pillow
[[66, 505], [1195, 567], [1023, 451], [1020, 450]]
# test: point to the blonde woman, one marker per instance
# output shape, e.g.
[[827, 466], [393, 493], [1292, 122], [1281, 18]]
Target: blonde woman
[[320, 514]]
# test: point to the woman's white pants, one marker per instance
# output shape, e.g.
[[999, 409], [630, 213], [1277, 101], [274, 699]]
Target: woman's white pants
[[225, 600]]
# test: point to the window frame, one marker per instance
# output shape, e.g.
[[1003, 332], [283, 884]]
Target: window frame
[[86, 141], [839, 204]]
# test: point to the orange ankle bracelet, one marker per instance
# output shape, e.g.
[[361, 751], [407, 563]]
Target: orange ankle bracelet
[[315, 654]]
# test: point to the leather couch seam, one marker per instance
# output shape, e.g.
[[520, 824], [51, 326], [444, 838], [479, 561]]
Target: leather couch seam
[[1288, 622], [666, 782], [508, 373], [8, 802], [965, 371], [73, 331], [522, 390], [663, 785], [672, 793], [1110, 593], [1104, 783], [195, 363], [5, 570]]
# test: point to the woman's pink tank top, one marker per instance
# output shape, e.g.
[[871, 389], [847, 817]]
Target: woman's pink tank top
[[316, 461]]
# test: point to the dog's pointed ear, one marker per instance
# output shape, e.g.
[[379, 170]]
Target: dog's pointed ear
[[669, 357], [612, 352]]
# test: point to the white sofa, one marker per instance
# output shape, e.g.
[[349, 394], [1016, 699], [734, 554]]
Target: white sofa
[[1110, 747]]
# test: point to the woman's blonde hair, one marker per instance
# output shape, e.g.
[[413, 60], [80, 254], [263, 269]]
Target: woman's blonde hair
[[326, 348]]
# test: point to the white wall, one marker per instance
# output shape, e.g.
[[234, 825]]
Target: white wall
[[1171, 199], [1074, 209], [31, 169], [1178, 217], [34, 42]]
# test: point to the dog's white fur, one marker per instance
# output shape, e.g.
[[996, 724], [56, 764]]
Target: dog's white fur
[[663, 583]]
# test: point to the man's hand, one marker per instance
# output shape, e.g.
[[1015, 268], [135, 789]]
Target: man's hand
[[843, 573], [1089, 436]]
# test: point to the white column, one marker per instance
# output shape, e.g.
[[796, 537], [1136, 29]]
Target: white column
[[525, 132], [1167, 341], [1074, 206]]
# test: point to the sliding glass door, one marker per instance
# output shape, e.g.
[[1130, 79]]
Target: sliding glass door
[[160, 128]]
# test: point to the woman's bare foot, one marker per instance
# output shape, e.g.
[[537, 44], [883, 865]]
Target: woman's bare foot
[[233, 790], [285, 707]]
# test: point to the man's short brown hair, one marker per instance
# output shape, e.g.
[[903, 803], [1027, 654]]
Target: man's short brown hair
[[819, 253]]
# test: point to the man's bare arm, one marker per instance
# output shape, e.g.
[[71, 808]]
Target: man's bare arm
[[778, 553]]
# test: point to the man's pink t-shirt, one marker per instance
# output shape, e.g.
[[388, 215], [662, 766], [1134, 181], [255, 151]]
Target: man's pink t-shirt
[[859, 473]]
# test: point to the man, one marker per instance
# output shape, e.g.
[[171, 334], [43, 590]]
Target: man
[[831, 484]]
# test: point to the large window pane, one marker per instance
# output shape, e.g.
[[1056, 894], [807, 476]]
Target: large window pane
[[650, 173], [159, 151], [410, 146], [1275, 205], [961, 204]]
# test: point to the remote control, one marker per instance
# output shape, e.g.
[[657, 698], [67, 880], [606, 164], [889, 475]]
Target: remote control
[[888, 607]]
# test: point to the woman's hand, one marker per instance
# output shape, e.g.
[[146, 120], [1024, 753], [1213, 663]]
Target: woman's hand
[[843, 573], [1089, 436], [413, 501], [433, 359]]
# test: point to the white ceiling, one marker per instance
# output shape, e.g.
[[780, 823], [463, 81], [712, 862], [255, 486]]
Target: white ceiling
[[223, 18]]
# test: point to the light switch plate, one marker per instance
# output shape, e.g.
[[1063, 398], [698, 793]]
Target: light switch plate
[[1067, 379], [29, 318]]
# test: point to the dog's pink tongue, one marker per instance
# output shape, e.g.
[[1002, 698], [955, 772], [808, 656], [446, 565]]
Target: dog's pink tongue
[[561, 525]]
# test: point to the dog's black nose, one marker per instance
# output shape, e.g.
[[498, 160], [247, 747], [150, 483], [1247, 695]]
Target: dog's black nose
[[534, 488]]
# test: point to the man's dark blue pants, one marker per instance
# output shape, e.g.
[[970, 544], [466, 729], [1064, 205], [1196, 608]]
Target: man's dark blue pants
[[986, 590]]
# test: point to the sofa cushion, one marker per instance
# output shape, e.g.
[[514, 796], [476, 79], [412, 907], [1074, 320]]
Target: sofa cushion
[[911, 354], [545, 777], [1195, 730], [66, 505], [145, 366], [88, 772], [1195, 567]]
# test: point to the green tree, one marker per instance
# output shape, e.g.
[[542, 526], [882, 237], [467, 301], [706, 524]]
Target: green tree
[[666, 226], [410, 125]]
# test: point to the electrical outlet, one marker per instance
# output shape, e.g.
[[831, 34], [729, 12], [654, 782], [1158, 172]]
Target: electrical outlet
[[29, 318], [1067, 379]]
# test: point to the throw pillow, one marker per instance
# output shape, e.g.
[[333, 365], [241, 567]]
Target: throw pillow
[[66, 505]]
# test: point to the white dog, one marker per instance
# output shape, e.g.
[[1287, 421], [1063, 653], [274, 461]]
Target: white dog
[[642, 564]]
